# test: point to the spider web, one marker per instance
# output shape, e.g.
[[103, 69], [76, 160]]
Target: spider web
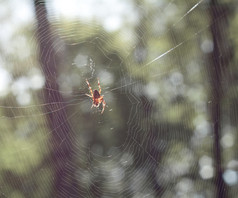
[[155, 137]]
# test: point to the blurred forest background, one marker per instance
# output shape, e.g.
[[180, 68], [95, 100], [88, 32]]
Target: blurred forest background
[[168, 72]]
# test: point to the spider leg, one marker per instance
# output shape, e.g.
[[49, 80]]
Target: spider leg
[[89, 95], [103, 105], [90, 88], [99, 87]]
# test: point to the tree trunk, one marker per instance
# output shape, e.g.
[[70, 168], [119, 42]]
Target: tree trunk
[[60, 129], [219, 60]]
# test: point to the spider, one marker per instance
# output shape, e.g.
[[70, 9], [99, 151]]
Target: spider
[[96, 96]]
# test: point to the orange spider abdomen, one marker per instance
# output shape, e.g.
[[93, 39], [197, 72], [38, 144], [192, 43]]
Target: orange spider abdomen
[[96, 94]]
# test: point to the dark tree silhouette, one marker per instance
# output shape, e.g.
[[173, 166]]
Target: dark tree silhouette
[[220, 58], [60, 129]]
